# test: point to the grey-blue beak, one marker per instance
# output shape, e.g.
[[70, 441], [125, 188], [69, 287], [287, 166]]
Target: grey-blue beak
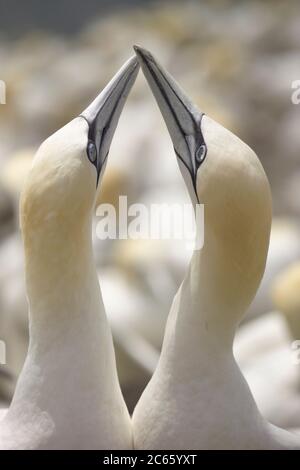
[[181, 116], [102, 115]]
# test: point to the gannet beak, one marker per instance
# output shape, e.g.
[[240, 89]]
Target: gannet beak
[[181, 116], [102, 115]]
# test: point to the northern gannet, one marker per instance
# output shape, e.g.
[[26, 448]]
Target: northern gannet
[[68, 394], [198, 397]]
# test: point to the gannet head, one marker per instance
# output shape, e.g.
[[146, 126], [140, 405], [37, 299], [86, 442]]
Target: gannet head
[[67, 168], [225, 175]]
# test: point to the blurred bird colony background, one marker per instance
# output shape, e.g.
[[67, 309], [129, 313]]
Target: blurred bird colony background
[[236, 59]]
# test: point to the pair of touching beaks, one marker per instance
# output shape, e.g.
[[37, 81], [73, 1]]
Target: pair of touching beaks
[[182, 118]]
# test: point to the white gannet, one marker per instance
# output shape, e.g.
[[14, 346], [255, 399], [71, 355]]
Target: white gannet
[[68, 394], [198, 397], [267, 351]]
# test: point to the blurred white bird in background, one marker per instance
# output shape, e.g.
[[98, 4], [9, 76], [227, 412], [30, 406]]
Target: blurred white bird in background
[[284, 249], [268, 353], [13, 300]]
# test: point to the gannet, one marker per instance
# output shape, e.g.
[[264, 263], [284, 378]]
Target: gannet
[[198, 397], [68, 394]]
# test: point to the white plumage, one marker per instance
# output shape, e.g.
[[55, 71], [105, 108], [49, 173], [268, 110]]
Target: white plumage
[[68, 394], [198, 397]]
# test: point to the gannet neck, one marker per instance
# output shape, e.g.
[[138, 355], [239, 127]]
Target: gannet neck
[[206, 309], [234, 189], [70, 348], [60, 272], [63, 288], [205, 312], [68, 394]]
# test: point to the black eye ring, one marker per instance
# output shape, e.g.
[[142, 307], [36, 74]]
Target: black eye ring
[[92, 151], [200, 153]]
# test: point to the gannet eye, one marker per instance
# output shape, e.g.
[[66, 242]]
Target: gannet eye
[[200, 153], [92, 151]]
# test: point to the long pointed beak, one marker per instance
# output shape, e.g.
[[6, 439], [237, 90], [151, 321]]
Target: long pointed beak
[[181, 116], [102, 115]]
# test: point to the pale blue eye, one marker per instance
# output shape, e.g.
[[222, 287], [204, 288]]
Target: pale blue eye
[[200, 154], [92, 151]]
